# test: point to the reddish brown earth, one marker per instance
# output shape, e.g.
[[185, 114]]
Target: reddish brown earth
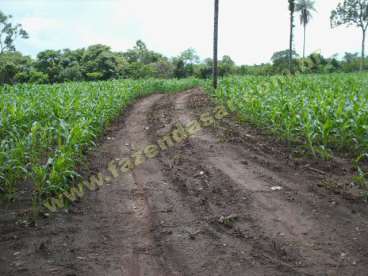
[[203, 207]]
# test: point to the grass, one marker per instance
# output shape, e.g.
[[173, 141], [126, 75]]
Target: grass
[[326, 113], [46, 130]]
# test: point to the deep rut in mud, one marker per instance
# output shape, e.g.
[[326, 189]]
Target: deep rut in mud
[[203, 207]]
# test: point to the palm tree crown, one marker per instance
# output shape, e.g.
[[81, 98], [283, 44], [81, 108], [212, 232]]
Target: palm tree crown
[[305, 7]]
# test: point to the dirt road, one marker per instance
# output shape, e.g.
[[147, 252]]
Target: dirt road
[[208, 206]]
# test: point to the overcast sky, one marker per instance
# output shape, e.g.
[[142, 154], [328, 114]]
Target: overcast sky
[[250, 30]]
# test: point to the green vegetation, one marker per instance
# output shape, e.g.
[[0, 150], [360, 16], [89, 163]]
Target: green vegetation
[[99, 62], [326, 113], [45, 131]]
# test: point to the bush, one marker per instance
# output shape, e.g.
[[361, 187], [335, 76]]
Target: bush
[[94, 76], [38, 77]]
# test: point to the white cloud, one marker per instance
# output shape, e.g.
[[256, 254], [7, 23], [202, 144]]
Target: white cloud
[[35, 25]]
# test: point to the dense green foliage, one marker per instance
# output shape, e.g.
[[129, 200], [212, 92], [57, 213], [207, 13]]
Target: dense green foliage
[[327, 113], [99, 62], [313, 64], [45, 130]]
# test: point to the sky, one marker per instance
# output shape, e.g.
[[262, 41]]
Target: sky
[[250, 30]]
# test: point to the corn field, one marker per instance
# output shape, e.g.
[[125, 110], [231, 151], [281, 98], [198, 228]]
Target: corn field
[[46, 130], [326, 113]]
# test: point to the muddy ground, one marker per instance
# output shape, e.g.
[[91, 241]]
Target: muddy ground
[[211, 205]]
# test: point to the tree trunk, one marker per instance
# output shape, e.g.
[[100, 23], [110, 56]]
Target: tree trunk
[[363, 51], [215, 45], [291, 41], [303, 61], [305, 27]]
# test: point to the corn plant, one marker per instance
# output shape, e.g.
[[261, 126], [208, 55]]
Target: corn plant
[[325, 113], [46, 130]]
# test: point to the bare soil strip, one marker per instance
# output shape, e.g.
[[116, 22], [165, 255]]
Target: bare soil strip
[[204, 207]]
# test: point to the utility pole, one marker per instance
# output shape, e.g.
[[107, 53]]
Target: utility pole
[[215, 45]]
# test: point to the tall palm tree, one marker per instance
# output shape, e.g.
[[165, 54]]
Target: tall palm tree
[[215, 45], [305, 7], [292, 11]]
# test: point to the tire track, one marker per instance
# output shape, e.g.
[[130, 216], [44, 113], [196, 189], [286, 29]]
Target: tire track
[[202, 207]]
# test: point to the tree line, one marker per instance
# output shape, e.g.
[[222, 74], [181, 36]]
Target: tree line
[[99, 62]]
